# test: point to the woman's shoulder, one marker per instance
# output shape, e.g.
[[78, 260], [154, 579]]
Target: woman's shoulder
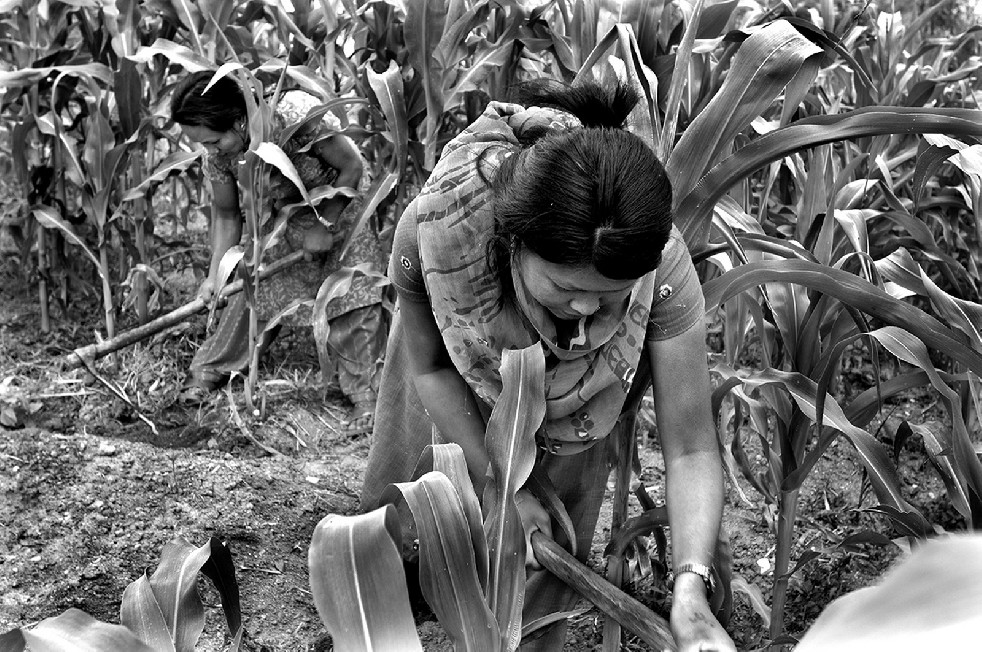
[[295, 105]]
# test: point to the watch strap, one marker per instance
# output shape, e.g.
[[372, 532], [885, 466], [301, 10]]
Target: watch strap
[[702, 570]]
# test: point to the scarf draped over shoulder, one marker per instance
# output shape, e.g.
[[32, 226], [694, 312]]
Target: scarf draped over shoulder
[[587, 378]]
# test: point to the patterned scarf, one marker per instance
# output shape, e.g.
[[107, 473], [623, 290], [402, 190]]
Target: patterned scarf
[[587, 378]]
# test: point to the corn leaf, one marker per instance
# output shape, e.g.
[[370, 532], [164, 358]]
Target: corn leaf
[[939, 452], [77, 631], [852, 291], [680, 77], [388, 88], [375, 195], [359, 584], [448, 459], [873, 456], [423, 29], [30, 76], [176, 163], [141, 614], [964, 316], [179, 54], [765, 63], [175, 585], [965, 460], [49, 218], [273, 155], [221, 571], [448, 571], [694, 209], [510, 442]]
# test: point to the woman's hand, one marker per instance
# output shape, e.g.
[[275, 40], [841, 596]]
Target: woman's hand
[[317, 241], [694, 626], [534, 517]]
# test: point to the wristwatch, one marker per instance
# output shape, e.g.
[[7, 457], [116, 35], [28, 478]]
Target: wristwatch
[[702, 570]]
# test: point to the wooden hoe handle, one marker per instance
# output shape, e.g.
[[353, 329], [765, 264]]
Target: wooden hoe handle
[[648, 626], [77, 358]]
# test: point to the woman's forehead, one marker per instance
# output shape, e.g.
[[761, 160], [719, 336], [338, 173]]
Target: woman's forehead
[[200, 133], [583, 279]]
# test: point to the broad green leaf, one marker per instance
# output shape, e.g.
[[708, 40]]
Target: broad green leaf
[[359, 583], [273, 155], [77, 631], [176, 163], [30, 76], [141, 614], [452, 48], [754, 596], [388, 89], [448, 571], [510, 442], [449, 460], [49, 218], [694, 209], [175, 585], [849, 289], [938, 450], [964, 316], [179, 54], [483, 64], [964, 458], [873, 456], [423, 28], [374, 196], [762, 67], [220, 569], [901, 268], [680, 78]]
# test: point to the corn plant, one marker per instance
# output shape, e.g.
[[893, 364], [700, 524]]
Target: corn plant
[[472, 572], [158, 612], [808, 296]]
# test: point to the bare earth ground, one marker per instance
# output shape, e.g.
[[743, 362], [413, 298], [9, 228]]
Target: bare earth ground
[[89, 494]]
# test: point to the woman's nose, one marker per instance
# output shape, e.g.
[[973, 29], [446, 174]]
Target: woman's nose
[[585, 305]]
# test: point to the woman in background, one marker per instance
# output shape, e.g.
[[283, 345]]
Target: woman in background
[[218, 120]]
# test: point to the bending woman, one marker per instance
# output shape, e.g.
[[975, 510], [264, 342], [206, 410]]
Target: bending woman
[[217, 119], [553, 224]]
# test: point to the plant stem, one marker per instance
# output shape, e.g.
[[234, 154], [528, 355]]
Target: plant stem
[[787, 510]]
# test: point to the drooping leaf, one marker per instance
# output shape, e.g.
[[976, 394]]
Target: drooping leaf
[[48, 218], [448, 570], [179, 54], [220, 569], [176, 163], [694, 209], [175, 585], [77, 631], [762, 67], [851, 290], [449, 460], [141, 614], [359, 583], [273, 155]]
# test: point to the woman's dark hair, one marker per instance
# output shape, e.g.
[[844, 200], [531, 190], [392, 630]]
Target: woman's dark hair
[[218, 109], [595, 195]]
